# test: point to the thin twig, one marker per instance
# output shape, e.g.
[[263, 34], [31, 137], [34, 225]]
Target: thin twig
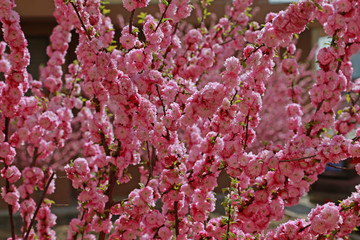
[[247, 129], [303, 228], [232, 99], [253, 51], [312, 121], [151, 159], [162, 103], [39, 205], [163, 107], [81, 21], [168, 49], [229, 219], [163, 15], [342, 168], [223, 43]]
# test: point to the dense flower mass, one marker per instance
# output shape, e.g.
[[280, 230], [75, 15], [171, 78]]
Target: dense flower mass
[[183, 104]]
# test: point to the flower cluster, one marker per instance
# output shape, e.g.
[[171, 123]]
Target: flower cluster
[[184, 105]]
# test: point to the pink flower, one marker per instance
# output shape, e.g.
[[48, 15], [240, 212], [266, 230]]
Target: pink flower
[[269, 36], [11, 198], [127, 40], [324, 218], [48, 120], [325, 56], [354, 149], [11, 173], [290, 66], [53, 84], [165, 233], [133, 4]]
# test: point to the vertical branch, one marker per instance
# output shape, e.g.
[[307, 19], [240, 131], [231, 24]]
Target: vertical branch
[[247, 129], [176, 218], [35, 155], [131, 21], [312, 121], [152, 159], [10, 209], [112, 180], [229, 218], [168, 49], [163, 107], [7, 183], [7, 122], [39, 205]]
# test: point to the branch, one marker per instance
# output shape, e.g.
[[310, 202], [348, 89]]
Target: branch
[[35, 155], [81, 21], [246, 133], [162, 103], [7, 183], [253, 51], [152, 160], [10, 209], [223, 43], [342, 168], [229, 219], [163, 15], [168, 48], [131, 21], [176, 219], [312, 125], [298, 159], [163, 107], [232, 99], [39, 205]]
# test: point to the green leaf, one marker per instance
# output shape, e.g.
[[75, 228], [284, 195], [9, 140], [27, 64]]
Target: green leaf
[[106, 11], [165, 2], [111, 48], [224, 190], [141, 17], [348, 98], [318, 6], [243, 64], [166, 19], [48, 201]]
